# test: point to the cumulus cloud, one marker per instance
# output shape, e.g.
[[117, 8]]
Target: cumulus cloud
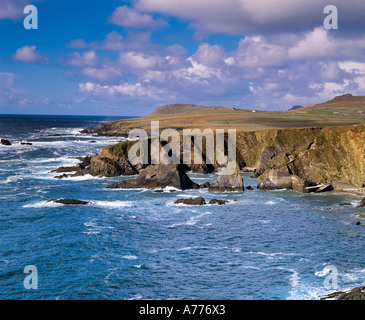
[[260, 16], [29, 54], [125, 16], [106, 73], [85, 59], [210, 55], [114, 42], [127, 89]]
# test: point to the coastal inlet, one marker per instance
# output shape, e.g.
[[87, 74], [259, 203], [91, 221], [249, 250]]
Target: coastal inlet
[[145, 243]]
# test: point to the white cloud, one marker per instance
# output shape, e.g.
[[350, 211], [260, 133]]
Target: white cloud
[[13, 9], [257, 52], [29, 54], [86, 59], [114, 41], [125, 16], [133, 90], [138, 60], [209, 55], [103, 74]]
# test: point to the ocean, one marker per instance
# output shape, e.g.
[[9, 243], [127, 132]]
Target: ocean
[[137, 244]]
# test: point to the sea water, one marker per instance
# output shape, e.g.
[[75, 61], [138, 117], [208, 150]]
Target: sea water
[[137, 244]]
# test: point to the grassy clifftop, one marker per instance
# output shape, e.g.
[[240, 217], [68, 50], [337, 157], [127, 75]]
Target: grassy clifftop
[[343, 110]]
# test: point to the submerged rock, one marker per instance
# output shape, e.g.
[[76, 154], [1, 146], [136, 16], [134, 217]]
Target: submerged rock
[[219, 202], [69, 201], [249, 188], [158, 176], [200, 201]]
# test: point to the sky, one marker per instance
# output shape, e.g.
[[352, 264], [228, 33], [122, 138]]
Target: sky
[[126, 58]]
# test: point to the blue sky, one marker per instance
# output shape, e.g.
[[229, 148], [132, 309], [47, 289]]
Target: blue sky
[[115, 57]]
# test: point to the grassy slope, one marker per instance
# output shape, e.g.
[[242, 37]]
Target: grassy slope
[[246, 120]]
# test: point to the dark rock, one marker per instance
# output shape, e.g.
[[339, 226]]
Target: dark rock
[[354, 294], [158, 176], [92, 141], [26, 143], [69, 201], [62, 176], [360, 215], [5, 142], [249, 188], [56, 135], [200, 201], [204, 185], [158, 191], [219, 202], [356, 223], [362, 203], [345, 204]]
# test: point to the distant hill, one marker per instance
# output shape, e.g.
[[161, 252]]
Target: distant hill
[[342, 110], [178, 108], [295, 108], [345, 101]]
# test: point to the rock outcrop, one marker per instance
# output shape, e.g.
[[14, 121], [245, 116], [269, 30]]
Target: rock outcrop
[[5, 142], [199, 201], [69, 201], [218, 202], [354, 294], [158, 176], [231, 183]]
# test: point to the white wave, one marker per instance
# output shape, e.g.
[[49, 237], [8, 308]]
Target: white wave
[[130, 257], [94, 228], [270, 202], [112, 204], [42, 204]]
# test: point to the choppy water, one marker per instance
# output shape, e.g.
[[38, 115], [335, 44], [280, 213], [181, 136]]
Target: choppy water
[[136, 244]]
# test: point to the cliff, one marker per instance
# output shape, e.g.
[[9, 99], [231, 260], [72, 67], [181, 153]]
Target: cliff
[[280, 158], [314, 155]]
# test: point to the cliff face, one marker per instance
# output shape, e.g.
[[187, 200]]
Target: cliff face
[[315, 155], [282, 158]]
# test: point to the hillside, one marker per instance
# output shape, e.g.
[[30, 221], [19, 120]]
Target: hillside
[[178, 108], [343, 102], [343, 110]]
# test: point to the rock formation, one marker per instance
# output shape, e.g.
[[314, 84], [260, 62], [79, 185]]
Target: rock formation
[[158, 176], [199, 201], [5, 142], [224, 183], [69, 201], [354, 294]]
